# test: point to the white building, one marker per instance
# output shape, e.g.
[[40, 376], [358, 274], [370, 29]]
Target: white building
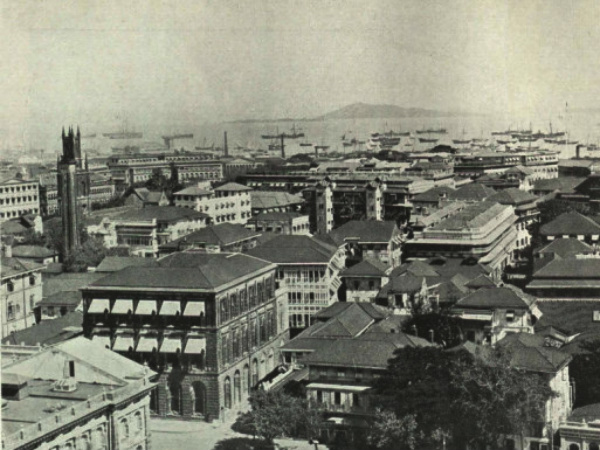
[[18, 197]]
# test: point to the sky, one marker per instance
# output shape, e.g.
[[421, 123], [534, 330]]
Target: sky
[[155, 63]]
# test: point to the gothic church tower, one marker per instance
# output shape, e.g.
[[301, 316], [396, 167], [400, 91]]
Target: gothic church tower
[[67, 190]]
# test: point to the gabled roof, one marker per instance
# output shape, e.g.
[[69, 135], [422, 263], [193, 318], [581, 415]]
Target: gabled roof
[[32, 251], [570, 223], [416, 268], [365, 231], [336, 308], [500, 297], [566, 247], [271, 199], [221, 234], [294, 249], [186, 270], [472, 192], [573, 316], [571, 268], [233, 187], [48, 332], [116, 263], [512, 196], [14, 266], [366, 268], [482, 281], [193, 190]]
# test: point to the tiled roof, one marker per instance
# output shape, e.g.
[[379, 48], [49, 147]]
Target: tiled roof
[[570, 223], [69, 282], [500, 297], [12, 227], [416, 268], [471, 192], [560, 184], [481, 281], [337, 308], [473, 216], [271, 199], [220, 234], [193, 190], [294, 249], [588, 413], [512, 196], [534, 358], [566, 247], [48, 332], [573, 316], [365, 231], [433, 194], [366, 268], [405, 284], [186, 270], [14, 266], [231, 187], [570, 268], [116, 263], [32, 251], [275, 216]]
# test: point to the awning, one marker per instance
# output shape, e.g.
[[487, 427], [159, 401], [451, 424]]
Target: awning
[[147, 344], [146, 308], [337, 387], [194, 309], [123, 343], [122, 306], [102, 339], [170, 345], [195, 346], [170, 308], [99, 305]]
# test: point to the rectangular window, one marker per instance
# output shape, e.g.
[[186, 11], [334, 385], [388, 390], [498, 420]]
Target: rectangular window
[[32, 301], [337, 398], [10, 313]]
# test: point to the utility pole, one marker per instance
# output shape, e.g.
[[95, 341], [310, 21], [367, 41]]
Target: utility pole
[[282, 146]]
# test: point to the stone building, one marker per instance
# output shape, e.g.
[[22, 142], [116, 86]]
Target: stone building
[[210, 324]]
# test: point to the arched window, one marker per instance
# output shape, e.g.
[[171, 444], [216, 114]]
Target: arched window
[[255, 372], [224, 349], [224, 310], [227, 392], [175, 403], [245, 375], [138, 420], [124, 428], [237, 387], [99, 439], [593, 446], [573, 447]]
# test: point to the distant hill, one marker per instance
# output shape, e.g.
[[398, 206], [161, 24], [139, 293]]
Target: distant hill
[[367, 111]]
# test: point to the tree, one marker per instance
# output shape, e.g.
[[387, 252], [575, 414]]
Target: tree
[[277, 414], [89, 254], [392, 433], [584, 369], [445, 328]]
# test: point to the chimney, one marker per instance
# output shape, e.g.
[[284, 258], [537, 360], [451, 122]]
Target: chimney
[[225, 148], [69, 369], [578, 151]]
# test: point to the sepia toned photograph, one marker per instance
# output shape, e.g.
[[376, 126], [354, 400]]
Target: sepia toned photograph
[[300, 225]]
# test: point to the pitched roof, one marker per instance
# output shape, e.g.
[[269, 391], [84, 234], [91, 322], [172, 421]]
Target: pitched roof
[[275, 216], [512, 196], [69, 282], [500, 297], [416, 268], [32, 251], [524, 353], [473, 216], [48, 332], [587, 413], [231, 187], [186, 270], [366, 268], [221, 234], [570, 223], [193, 190], [406, 283], [473, 192], [365, 231], [433, 194], [570, 268], [294, 249], [160, 213], [116, 263], [482, 281], [566, 247], [336, 308], [14, 266], [560, 184], [573, 316], [12, 227], [273, 199]]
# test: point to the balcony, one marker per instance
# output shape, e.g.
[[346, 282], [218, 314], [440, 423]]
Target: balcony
[[346, 408]]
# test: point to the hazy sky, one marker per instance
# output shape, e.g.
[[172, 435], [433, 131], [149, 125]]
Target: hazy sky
[[159, 62]]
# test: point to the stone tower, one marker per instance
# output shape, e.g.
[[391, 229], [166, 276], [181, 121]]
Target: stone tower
[[67, 190]]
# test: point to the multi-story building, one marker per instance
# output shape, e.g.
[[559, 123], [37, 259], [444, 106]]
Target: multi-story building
[[18, 197], [364, 280], [571, 225], [576, 277], [21, 292], [367, 239], [210, 324], [274, 201], [280, 223], [227, 203], [309, 269], [543, 163], [489, 314], [144, 229], [484, 232], [127, 170], [519, 177], [75, 394], [581, 430], [527, 211], [335, 199]]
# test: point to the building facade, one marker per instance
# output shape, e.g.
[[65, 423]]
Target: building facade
[[210, 324], [18, 197], [280, 223]]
